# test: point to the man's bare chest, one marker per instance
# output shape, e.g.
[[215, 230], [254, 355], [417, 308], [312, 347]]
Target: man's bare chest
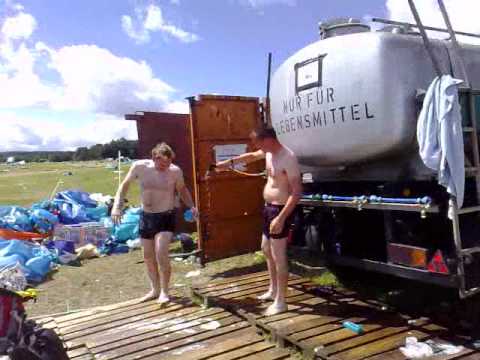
[[152, 179]]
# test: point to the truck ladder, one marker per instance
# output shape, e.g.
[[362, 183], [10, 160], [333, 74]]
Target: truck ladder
[[470, 130]]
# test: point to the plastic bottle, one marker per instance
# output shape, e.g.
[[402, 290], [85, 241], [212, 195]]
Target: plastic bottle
[[188, 216], [356, 328]]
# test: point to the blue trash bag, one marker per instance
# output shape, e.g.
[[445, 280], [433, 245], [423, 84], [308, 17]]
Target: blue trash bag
[[10, 260], [71, 213], [125, 231], [78, 197], [97, 213], [16, 247], [43, 220], [35, 259], [15, 218], [134, 211], [107, 222], [39, 266]]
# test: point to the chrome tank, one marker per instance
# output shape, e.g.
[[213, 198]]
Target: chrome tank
[[346, 105]]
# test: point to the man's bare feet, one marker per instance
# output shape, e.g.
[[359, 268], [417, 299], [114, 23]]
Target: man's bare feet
[[163, 298], [269, 295], [275, 309], [150, 296]]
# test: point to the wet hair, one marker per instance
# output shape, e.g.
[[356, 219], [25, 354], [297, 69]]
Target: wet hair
[[163, 149], [262, 133]]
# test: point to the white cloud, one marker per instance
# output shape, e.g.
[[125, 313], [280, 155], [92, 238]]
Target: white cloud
[[150, 19], [96, 80], [19, 85], [27, 134], [20, 26], [179, 107], [89, 80], [463, 15]]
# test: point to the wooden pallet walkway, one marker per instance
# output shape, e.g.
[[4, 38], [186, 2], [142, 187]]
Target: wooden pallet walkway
[[180, 330], [313, 323]]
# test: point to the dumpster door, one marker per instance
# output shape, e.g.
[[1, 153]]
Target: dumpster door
[[230, 204]]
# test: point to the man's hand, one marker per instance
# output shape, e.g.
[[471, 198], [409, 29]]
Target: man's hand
[[194, 212], [276, 226], [116, 216], [223, 165]]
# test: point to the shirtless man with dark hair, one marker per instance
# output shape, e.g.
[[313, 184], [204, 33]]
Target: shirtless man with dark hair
[[281, 193], [159, 181]]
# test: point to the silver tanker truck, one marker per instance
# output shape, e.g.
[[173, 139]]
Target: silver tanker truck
[[347, 105]]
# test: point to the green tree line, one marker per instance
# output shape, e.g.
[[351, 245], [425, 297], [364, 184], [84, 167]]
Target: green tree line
[[128, 148]]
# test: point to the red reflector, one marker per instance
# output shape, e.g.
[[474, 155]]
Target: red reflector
[[437, 264]]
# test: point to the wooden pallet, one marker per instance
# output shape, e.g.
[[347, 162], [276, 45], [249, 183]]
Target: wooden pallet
[[181, 329], [313, 323]]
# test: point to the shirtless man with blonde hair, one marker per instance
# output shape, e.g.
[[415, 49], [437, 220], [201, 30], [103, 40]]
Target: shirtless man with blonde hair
[[281, 193], [159, 181]]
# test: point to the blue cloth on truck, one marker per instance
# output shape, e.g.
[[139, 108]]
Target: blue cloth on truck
[[440, 135]]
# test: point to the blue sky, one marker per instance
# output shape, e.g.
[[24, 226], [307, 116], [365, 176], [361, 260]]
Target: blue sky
[[70, 70]]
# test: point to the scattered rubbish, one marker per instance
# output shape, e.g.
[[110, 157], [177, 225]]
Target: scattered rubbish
[[356, 328], [211, 325], [12, 278], [415, 349], [192, 273], [178, 259], [188, 245], [134, 244], [87, 252]]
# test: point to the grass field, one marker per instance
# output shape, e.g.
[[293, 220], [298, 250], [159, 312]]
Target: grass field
[[34, 182]]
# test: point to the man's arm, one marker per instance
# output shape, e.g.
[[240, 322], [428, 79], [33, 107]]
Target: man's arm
[[121, 192], [295, 184], [244, 158], [184, 193]]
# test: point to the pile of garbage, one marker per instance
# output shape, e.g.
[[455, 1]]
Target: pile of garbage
[[73, 225]]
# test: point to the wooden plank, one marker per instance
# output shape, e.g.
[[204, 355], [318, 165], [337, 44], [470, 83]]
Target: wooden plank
[[385, 344], [243, 351], [223, 345], [80, 315], [94, 320], [154, 347], [82, 351], [137, 329], [270, 354], [372, 332], [258, 290], [84, 357], [114, 322], [169, 330], [234, 287], [215, 287]]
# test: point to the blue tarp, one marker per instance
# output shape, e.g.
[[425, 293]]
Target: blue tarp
[[35, 260], [21, 219]]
